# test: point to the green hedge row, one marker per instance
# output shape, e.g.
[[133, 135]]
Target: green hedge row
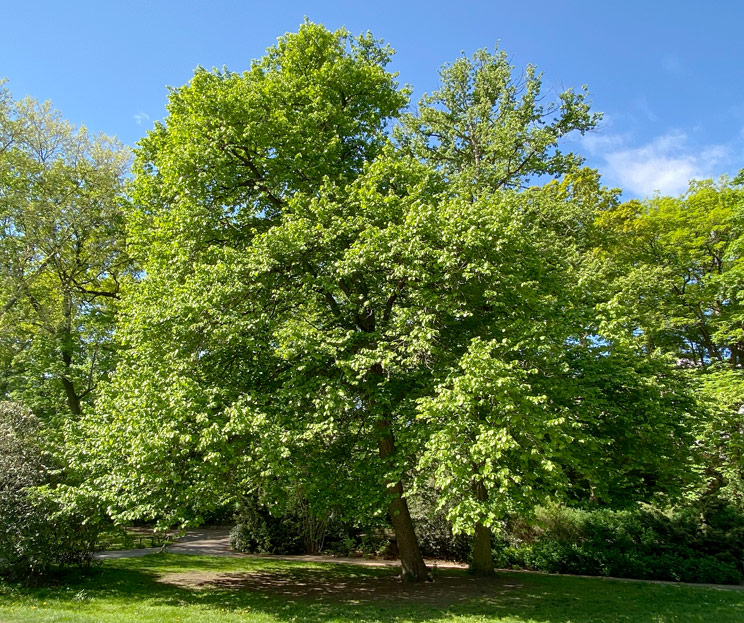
[[688, 546]]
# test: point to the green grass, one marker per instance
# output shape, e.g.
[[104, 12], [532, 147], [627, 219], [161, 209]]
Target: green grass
[[134, 591]]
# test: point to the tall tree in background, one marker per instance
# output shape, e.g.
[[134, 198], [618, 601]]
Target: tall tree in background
[[675, 269], [681, 266], [62, 257]]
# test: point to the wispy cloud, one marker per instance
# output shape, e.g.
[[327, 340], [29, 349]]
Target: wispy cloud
[[672, 65], [641, 105], [141, 117], [666, 164]]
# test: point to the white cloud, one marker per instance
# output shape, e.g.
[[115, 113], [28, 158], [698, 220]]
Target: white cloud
[[666, 164], [141, 117], [602, 143]]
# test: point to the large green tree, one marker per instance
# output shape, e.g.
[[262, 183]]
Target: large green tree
[[320, 307], [230, 272], [487, 131], [62, 257]]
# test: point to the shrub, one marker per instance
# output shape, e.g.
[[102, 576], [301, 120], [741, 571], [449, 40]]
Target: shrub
[[297, 531], [434, 530], [257, 531], [642, 543], [40, 526]]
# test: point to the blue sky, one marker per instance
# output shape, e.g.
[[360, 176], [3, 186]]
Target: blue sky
[[669, 76]]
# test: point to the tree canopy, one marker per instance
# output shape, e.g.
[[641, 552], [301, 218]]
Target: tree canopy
[[326, 309], [675, 269], [62, 256], [487, 128]]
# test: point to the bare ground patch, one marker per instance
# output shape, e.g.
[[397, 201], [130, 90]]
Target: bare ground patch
[[445, 590]]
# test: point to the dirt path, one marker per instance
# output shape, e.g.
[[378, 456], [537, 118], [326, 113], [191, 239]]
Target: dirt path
[[216, 542]]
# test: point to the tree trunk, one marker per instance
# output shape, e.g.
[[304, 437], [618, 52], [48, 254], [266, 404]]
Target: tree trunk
[[413, 568], [73, 400], [482, 539]]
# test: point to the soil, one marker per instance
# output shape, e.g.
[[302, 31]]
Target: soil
[[445, 590]]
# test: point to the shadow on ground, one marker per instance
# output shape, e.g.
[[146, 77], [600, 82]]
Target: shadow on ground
[[296, 585]]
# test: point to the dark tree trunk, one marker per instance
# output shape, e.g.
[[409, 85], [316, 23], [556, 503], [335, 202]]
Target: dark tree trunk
[[413, 568], [73, 400], [482, 539]]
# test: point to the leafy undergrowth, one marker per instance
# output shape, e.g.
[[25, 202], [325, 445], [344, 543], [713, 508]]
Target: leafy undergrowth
[[168, 588]]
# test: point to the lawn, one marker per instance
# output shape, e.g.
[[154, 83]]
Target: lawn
[[166, 588]]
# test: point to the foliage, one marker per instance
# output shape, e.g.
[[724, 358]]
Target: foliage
[[643, 543], [62, 257], [540, 403], [294, 528], [327, 313], [326, 310], [487, 128], [720, 445], [433, 529], [673, 271], [40, 526], [62, 264], [204, 407], [678, 271], [257, 531]]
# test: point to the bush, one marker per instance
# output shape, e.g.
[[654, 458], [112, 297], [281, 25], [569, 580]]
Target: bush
[[298, 531], [684, 546], [40, 526], [434, 530], [257, 531]]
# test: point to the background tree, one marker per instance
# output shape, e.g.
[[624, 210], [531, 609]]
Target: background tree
[[675, 269], [62, 257], [679, 264]]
